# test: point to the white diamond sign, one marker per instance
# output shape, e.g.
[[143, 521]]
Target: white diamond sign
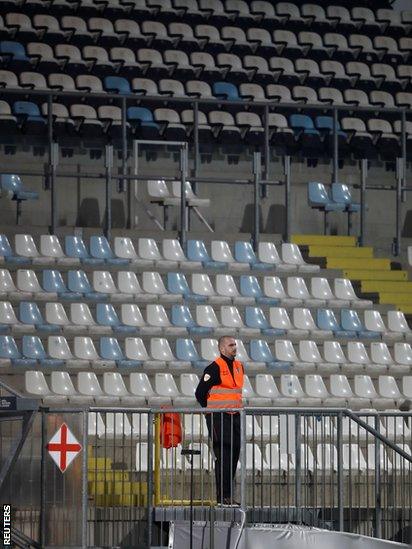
[[63, 447]]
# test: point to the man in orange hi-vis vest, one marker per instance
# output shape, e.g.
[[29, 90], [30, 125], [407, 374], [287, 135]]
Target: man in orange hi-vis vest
[[221, 387]]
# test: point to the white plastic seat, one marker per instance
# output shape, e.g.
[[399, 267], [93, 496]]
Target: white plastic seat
[[388, 389], [316, 388], [248, 392], [124, 249], [327, 456], [206, 317], [140, 386], [117, 425], [310, 354], [384, 461], [84, 349], [273, 287], [268, 253], [113, 385], [188, 385], [172, 251], [35, 384], [226, 287], [297, 289], [232, 322], [192, 199], [303, 320], [149, 250], [396, 426], [81, 316], [26, 247], [131, 315], [153, 284], [141, 457], [407, 387], [56, 314], [51, 249], [365, 389], [357, 355], [157, 318], [202, 285], [291, 255], [254, 459], [267, 390], [220, 251], [279, 319], [403, 353], [57, 347], [374, 322], [209, 349], [195, 427], [7, 286], [291, 387], [88, 385], [333, 352], [308, 462], [344, 290], [381, 355], [61, 384], [275, 459], [28, 283], [321, 289], [172, 458], [397, 323], [165, 386], [160, 350], [7, 315], [285, 352], [353, 458], [103, 283], [340, 388], [95, 424], [129, 285]]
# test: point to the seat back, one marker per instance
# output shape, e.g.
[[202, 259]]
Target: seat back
[[29, 313], [110, 349]]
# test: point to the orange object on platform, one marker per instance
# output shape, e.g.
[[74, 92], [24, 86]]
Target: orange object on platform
[[171, 432]]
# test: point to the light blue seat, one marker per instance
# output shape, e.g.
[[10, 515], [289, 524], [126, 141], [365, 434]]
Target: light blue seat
[[244, 253], [260, 352], [75, 247], [10, 351], [303, 123], [14, 186], [110, 350], [32, 349], [350, 321], [100, 249], [78, 283], [318, 198], [15, 50], [29, 313], [29, 114], [187, 352], [255, 318], [53, 282], [117, 84], [7, 252], [182, 317], [342, 195], [107, 316], [326, 320], [141, 119], [177, 284], [325, 125], [226, 91], [250, 287], [196, 251]]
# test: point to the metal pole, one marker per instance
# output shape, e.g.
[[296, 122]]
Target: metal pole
[[335, 147], [196, 159], [404, 153], [340, 473], [150, 509], [378, 514], [52, 183], [243, 460], [85, 495], [257, 159], [108, 166], [263, 190], [364, 175], [43, 492], [298, 472], [286, 236], [183, 177], [396, 247], [49, 141], [122, 184], [133, 189]]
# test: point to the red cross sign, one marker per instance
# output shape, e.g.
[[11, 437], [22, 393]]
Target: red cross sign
[[63, 447]]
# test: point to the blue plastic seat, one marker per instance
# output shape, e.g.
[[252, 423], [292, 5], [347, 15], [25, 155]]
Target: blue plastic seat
[[325, 124], [78, 283], [226, 91], [182, 317], [141, 119], [187, 352], [255, 318], [100, 249], [107, 316], [177, 284], [319, 198], [16, 52], [303, 123], [244, 253], [29, 313], [342, 195], [260, 352], [250, 287], [117, 84], [8, 348], [29, 114], [326, 320], [110, 350], [350, 321], [7, 252], [32, 349], [75, 247], [13, 184], [196, 251], [53, 282]]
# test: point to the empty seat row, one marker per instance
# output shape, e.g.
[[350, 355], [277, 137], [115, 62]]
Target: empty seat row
[[148, 253], [288, 391]]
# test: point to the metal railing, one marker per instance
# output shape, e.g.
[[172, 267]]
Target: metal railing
[[261, 175], [329, 468]]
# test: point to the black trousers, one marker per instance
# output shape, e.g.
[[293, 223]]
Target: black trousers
[[224, 432]]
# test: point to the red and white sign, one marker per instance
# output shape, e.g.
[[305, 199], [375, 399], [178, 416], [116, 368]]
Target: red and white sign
[[63, 447]]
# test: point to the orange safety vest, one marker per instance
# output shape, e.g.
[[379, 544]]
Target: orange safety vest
[[171, 430], [229, 393]]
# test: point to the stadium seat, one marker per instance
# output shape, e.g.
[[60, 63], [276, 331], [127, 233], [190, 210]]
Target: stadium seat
[[351, 322], [177, 284], [187, 352], [196, 251], [153, 284], [129, 285], [56, 315], [182, 317], [221, 253], [226, 287], [28, 283], [344, 290], [32, 349], [255, 318], [100, 249], [249, 287], [106, 316], [244, 254], [76, 248], [273, 287], [29, 314], [35, 384], [291, 255], [13, 184], [173, 251], [269, 254], [297, 289], [326, 320]]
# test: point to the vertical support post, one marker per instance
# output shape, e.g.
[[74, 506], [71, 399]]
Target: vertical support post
[[378, 502], [183, 205], [43, 492], [339, 440], [404, 153], [335, 147], [123, 184], [109, 167], [288, 220], [196, 159], [132, 188], [150, 486], [243, 460], [364, 175], [266, 152], [396, 247], [49, 141], [298, 471], [53, 196], [257, 159], [85, 495]]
